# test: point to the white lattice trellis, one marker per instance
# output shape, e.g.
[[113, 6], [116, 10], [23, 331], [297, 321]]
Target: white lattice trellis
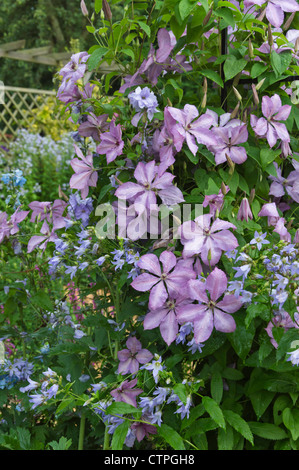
[[16, 109]]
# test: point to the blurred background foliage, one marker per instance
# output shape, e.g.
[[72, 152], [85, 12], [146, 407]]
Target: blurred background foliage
[[59, 23]]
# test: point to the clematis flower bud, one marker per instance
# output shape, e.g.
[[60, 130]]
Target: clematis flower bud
[[288, 23], [251, 196], [207, 17], [230, 164], [250, 49], [244, 210], [235, 111], [237, 94], [260, 84], [255, 95], [106, 10], [83, 8]]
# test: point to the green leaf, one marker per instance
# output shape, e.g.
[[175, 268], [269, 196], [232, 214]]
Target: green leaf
[[171, 437], [214, 410], [42, 299], [267, 431], [212, 75], [119, 435], [193, 158], [233, 66], [180, 391], [258, 69], [185, 8], [96, 57], [267, 156], [122, 408], [276, 63], [63, 444], [227, 15], [241, 339], [290, 417], [260, 401], [217, 387], [225, 438], [145, 27], [98, 5], [239, 424]]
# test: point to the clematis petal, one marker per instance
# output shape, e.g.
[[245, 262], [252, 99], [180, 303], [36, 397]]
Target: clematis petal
[[223, 321], [216, 283]]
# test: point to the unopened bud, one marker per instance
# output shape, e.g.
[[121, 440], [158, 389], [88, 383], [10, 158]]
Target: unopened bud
[[38, 217], [83, 8], [297, 44], [238, 96], [235, 111], [106, 10], [289, 21], [230, 164], [223, 188], [117, 180], [205, 85], [250, 49], [237, 79], [270, 37], [260, 84], [252, 195], [262, 15], [204, 101], [169, 102], [207, 17], [255, 95]]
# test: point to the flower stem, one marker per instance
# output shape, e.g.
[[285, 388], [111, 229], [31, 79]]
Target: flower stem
[[106, 439], [81, 432]]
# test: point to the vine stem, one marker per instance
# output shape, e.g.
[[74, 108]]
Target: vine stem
[[106, 439], [81, 432]]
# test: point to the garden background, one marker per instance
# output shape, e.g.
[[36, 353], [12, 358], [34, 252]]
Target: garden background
[[149, 230]]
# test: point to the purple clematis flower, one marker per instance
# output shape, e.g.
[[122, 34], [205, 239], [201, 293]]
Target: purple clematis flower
[[170, 282], [42, 240], [165, 318], [75, 68], [85, 175], [52, 213], [11, 227], [133, 356], [150, 184], [125, 392], [226, 143], [211, 312], [215, 201], [244, 212], [111, 143], [94, 126], [192, 129], [281, 184], [168, 141], [200, 237], [270, 128], [275, 9]]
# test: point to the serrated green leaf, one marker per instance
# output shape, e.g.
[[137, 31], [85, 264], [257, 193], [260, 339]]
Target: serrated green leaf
[[239, 424], [214, 410], [171, 437], [119, 435], [217, 387], [267, 431], [122, 408]]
